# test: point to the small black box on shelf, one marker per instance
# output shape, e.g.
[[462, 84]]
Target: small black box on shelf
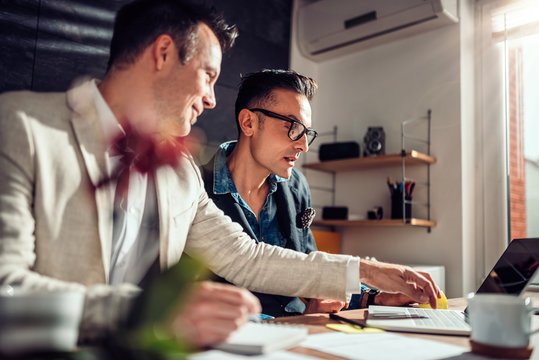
[[338, 150], [335, 213]]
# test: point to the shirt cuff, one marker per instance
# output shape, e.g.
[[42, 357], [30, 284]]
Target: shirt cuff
[[353, 285]]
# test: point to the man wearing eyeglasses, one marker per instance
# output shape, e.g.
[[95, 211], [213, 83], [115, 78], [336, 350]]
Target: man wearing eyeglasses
[[254, 181]]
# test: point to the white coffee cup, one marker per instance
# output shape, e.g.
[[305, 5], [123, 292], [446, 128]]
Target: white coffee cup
[[500, 319], [38, 320]]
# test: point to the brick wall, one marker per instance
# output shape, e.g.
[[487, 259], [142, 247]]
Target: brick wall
[[516, 145]]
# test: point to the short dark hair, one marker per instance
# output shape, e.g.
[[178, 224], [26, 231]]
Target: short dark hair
[[256, 88], [141, 22]]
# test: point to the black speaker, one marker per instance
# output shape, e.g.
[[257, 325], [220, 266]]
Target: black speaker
[[338, 150], [374, 141], [334, 213]]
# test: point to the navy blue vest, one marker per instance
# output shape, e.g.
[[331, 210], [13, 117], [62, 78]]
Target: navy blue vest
[[292, 198]]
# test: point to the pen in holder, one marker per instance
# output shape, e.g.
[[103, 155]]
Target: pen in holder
[[396, 190]]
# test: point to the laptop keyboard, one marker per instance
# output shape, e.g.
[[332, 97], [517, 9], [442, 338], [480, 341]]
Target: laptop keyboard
[[441, 319]]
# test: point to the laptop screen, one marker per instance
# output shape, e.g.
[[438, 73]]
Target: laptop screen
[[514, 269]]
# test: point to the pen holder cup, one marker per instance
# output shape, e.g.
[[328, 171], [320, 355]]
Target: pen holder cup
[[396, 207]]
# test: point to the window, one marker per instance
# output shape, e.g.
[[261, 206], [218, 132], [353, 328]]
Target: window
[[515, 29]]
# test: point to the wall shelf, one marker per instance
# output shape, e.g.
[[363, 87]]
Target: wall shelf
[[383, 222], [403, 159], [412, 158]]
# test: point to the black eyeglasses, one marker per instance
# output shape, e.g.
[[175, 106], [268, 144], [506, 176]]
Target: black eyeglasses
[[296, 130]]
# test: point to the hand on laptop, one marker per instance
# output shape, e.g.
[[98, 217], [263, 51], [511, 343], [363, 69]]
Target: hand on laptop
[[212, 312], [441, 302], [418, 286]]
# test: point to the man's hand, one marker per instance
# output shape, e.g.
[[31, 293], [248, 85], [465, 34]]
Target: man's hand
[[392, 299], [212, 311], [323, 306], [418, 286]]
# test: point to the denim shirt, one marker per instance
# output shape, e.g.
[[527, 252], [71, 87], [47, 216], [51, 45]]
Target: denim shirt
[[293, 197], [266, 228]]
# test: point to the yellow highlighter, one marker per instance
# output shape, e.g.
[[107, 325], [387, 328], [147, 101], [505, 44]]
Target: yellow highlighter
[[441, 302]]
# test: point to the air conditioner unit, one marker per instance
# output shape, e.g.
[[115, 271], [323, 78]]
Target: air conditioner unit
[[330, 28]]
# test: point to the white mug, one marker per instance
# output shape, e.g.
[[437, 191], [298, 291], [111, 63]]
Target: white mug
[[500, 319], [38, 320]]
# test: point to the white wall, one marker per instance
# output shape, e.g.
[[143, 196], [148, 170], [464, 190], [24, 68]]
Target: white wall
[[382, 86]]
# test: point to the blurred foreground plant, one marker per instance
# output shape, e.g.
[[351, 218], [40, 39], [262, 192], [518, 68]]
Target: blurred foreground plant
[[147, 332]]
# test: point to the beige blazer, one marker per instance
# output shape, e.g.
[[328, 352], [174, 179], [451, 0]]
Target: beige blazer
[[56, 230]]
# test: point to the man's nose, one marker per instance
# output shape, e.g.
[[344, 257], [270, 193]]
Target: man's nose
[[209, 99], [302, 144]]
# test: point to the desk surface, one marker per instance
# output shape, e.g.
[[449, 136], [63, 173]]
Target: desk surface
[[316, 324]]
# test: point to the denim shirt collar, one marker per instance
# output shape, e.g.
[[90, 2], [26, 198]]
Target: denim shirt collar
[[223, 183]]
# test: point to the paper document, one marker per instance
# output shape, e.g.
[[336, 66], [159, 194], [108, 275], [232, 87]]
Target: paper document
[[381, 346], [263, 338], [221, 355]]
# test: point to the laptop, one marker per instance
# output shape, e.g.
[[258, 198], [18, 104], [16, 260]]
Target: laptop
[[511, 275]]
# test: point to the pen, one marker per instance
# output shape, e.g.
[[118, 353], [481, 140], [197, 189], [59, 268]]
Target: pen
[[390, 185], [391, 316], [343, 319], [407, 187], [411, 189], [259, 317]]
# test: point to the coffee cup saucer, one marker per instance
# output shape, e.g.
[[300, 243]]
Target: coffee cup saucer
[[501, 351]]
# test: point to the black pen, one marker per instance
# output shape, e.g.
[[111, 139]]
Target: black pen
[[353, 322], [411, 190]]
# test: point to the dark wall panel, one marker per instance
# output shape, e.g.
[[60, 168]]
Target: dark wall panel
[[60, 61], [22, 12], [18, 29], [264, 39], [73, 41], [46, 44], [85, 22]]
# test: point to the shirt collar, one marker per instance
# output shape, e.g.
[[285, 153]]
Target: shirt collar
[[223, 182], [110, 125]]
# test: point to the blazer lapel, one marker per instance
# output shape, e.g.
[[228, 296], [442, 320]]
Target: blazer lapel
[[178, 194], [161, 189], [89, 137]]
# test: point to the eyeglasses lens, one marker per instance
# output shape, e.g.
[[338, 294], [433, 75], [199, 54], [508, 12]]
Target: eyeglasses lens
[[311, 135], [296, 131]]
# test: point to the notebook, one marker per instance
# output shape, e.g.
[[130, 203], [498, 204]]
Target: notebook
[[511, 274], [262, 338]]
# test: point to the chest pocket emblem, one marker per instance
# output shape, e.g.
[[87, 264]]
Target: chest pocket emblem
[[305, 218]]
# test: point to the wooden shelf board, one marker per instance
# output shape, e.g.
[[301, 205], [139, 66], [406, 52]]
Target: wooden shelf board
[[412, 158], [383, 222]]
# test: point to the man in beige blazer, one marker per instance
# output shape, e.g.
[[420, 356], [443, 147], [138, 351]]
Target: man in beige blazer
[[56, 224]]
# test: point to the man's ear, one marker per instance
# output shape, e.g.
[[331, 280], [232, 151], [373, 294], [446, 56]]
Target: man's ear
[[163, 49], [248, 122]]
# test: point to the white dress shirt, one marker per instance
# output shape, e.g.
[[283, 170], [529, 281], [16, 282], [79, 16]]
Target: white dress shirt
[[132, 255]]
